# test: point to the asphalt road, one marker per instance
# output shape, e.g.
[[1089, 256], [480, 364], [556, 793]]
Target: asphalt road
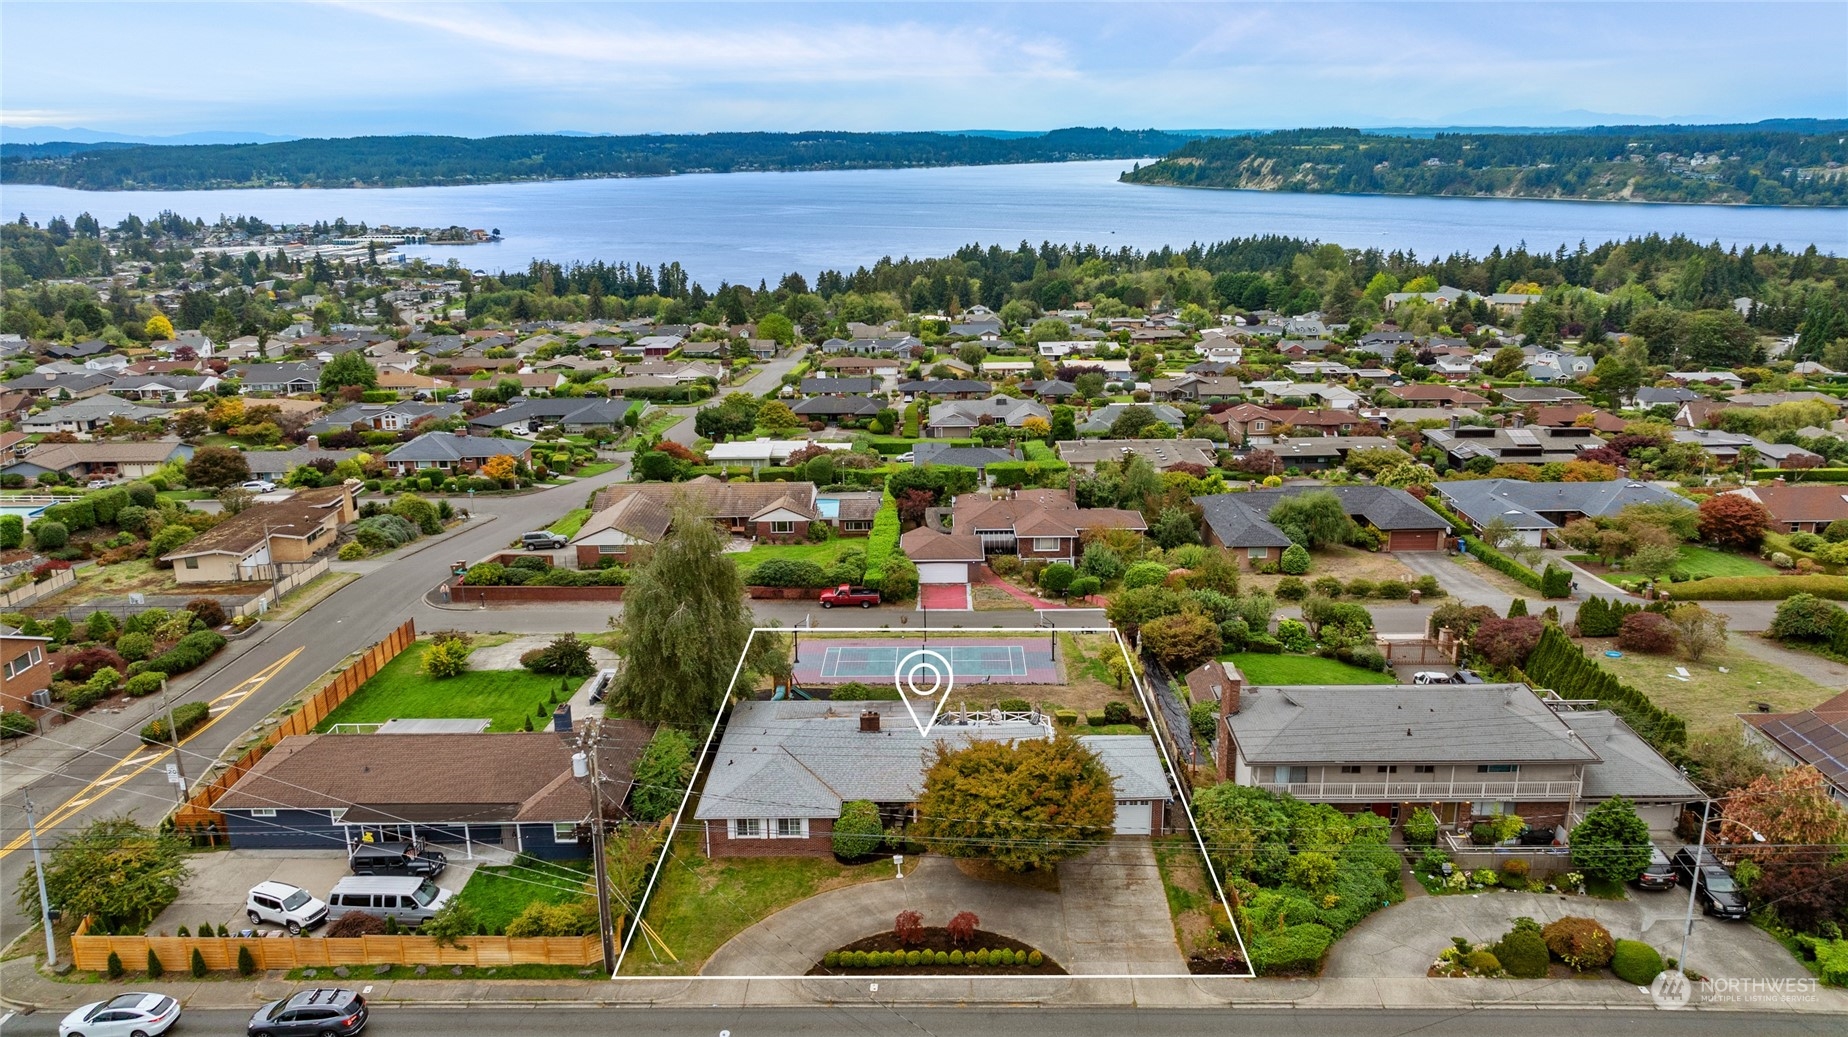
[[878, 1020]]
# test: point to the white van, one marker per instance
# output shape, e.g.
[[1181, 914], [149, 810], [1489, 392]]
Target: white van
[[408, 898]]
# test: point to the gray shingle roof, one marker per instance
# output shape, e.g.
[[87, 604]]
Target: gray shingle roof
[[1241, 519], [1521, 503], [1627, 766], [1133, 762], [1491, 723], [447, 446]]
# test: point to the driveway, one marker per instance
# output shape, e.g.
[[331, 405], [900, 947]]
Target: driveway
[[1110, 918], [217, 883], [1402, 941]]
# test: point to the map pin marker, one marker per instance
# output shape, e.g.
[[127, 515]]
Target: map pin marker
[[924, 679]]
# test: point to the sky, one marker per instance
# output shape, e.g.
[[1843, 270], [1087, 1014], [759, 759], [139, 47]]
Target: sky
[[476, 69]]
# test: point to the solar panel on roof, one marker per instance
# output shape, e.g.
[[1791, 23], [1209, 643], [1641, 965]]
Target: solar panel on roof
[[1523, 437]]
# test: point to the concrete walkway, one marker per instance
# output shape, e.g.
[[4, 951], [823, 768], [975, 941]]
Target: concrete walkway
[[1109, 918]]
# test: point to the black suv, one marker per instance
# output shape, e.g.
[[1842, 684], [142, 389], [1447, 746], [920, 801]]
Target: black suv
[[1713, 883], [1660, 874], [397, 859], [327, 1010]]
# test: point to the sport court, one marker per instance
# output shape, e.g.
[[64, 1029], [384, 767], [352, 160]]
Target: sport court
[[824, 661]]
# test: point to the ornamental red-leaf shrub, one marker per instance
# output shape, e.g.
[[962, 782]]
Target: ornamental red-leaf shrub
[[1647, 632], [962, 927], [1506, 643], [909, 928], [1729, 520]]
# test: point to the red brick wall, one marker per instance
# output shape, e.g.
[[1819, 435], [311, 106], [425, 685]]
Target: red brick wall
[[820, 842], [14, 689], [1537, 815], [589, 555], [1025, 546], [795, 536]]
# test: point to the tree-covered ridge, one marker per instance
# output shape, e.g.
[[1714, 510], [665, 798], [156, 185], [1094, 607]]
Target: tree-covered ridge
[[407, 161], [1639, 163]]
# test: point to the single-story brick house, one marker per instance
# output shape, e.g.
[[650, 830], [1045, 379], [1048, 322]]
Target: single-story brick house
[[946, 558], [115, 460], [1045, 524], [1241, 522], [514, 791], [784, 768], [266, 540], [640, 513]]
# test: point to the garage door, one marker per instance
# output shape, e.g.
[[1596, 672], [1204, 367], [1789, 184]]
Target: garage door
[[1133, 817], [943, 572], [1413, 540]]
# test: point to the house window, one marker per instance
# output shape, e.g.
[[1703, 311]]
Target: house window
[[747, 828], [1259, 552], [1292, 775], [856, 525], [612, 549], [337, 815], [1425, 768], [1386, 770], [782, 527], [1491, 808], [564, 832], [1498, 768], [23, 662], [192, 563], [263, 812], [792, 828], [1350, 770], [1045, 543], [1259, 426]]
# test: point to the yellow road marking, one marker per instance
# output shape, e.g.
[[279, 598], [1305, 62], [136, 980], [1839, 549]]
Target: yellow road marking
[[146, 756]]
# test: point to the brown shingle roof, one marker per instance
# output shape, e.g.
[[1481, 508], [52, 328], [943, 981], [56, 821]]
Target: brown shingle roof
[[299, 516], [1813, 503], [924, 544], [724, 500], [62, 455]]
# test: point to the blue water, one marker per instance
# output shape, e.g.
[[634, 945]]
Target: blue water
[[744, 227]]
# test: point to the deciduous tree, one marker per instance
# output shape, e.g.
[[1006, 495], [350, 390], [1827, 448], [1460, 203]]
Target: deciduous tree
[[1731, 520], [1612, 843], [118, 871], [348, 369], [1024, 805], [215, 467]]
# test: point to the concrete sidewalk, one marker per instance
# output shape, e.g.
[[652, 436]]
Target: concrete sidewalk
[[23, 989]]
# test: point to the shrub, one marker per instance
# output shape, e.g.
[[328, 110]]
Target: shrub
[[908, 928], [12, 532], [542, 919], [1582, 943], [566, 655], [1295, 560], [1421, 827], [49, 535], [789, 572], [114, 966], [941, 958], [81, 665], [1636, 962], [357, 923], [1360, 588], [170, 538], [155, 968], [188, 653], [914, 957], [1482, 962], [1523, 954], [982, 957], [1100, 561], [1057, 578], [187, 718], [207, 611], [858, 832], [198, 964], [16, 724], [1291, 589], [1647, 632], [831, 959], [962, 927], [1084, 587], [1035, 959], [956, 957], [135, 646], [352, 551], [1393, 590]]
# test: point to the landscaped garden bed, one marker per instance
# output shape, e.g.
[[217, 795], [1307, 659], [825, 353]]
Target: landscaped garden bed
[[1567, 948], [934, 951]]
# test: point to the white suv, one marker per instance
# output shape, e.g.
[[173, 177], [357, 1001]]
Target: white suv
[[291, 907]]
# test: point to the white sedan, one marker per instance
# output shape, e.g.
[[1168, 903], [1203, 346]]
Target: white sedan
[[126, 1015], [260, 486]]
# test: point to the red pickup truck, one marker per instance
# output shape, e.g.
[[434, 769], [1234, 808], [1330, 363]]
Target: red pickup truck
[[846, 595]]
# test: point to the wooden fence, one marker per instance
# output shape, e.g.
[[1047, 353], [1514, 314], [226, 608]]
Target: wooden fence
[[91, 953], [196, 816]]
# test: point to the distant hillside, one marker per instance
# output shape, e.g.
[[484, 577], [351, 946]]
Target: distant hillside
[[1784, 162], [422, 161]]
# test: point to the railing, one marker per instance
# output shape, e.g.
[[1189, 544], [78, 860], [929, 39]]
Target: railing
[[1424, 791]]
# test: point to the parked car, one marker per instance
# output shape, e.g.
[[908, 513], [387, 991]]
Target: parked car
[[462, 396], [97, 484], [1466, 677], [908, 457], [1431, 677], [410, 899], [543, 540], [327, 1010], [844, 595], [124, 1015], [1713, 885], [1660, 874], [1537, 837], [260, 486], [291, 907], [412, 858]]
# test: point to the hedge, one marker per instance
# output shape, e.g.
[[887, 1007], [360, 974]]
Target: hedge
[[1502, 563], [788, 572], [882, 542], [1759, 588], [1557, 663], [1636, 962], [186, 717], [1044, 474], [1798, 477], [1461, 527], [188, 653]]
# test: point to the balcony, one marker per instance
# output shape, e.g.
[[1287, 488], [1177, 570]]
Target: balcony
[[1424, 791]]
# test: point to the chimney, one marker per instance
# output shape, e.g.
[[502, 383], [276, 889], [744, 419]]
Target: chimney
[[869, 721], [1519, 421], [1453, 424], [314, 442], [462, 432], [1229, 704]]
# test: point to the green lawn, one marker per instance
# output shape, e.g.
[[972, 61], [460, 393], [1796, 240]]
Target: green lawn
[[700, 903], [1259, 668], [572, 521], [1708, 698], [1702, 562], [506, 698], [499, 894], [823, 554], [589, 470]]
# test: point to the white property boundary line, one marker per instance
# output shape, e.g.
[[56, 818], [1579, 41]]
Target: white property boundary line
[[1149, 709]]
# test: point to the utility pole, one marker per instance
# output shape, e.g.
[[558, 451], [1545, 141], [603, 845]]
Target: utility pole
[[585, 763], [38, 868], [173, 735]]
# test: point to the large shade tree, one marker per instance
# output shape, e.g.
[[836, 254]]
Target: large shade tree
[[1612, 843], [1026, 805], [115, 871], [684, 625]]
